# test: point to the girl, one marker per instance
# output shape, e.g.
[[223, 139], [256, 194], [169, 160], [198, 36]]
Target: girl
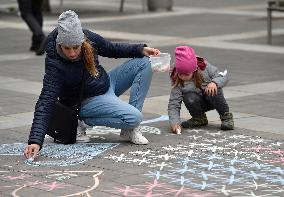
[[199, 85], [72, 51]]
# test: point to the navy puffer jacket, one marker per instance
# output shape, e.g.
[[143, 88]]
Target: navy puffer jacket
[[62, 78]]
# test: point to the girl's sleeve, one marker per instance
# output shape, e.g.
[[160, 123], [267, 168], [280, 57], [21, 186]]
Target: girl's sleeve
[[174, 106], [115, 50], [220, 78], [52, 84]]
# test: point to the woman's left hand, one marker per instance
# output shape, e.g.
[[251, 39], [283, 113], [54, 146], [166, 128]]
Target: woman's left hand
[[147, 51], [211, 89]]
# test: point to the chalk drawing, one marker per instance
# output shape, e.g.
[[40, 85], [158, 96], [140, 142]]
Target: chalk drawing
[[224, 164], [52, 186], [47, 187], [61, 176], [59, 154], [159, 119], [157, 188], [264, 154], [92, 188], [102, 130], [20, 177]]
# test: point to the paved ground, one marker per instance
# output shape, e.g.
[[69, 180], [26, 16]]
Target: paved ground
[[248, 161]]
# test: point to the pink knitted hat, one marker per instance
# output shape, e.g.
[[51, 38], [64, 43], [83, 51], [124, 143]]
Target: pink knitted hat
[[186, 61]]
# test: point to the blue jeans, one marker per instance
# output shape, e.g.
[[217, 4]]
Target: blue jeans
[[108, 110]]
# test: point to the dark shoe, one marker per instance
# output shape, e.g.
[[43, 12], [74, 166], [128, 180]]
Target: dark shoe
[[227, 121], [40, 49], [32, 48], [195, 122], [33, 45]]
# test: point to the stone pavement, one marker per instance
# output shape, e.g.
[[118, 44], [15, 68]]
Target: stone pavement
[[248, 161]]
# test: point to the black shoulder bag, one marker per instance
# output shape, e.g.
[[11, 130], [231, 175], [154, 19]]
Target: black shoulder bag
[[64, 120]]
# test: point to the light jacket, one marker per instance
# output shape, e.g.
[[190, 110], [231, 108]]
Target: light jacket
[[210, 74]]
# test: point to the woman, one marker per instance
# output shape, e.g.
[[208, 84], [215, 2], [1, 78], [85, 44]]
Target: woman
[[70, 50]]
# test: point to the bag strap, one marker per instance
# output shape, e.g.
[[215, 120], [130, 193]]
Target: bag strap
[[81, 90]]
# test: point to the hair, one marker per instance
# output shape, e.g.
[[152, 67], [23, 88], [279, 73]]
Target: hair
[[88, 57], [196, 77], [178, 82]]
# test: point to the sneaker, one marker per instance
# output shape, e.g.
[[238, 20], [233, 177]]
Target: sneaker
[[227, 121], [133, 135], [81, 132], [195, 122]]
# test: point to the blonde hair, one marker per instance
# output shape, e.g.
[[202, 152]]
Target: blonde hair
[[88, 57], [196, 77]]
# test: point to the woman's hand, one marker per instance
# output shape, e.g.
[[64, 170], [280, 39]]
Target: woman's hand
[[147, 51], [211, 89], [31, 151], [176, 129]]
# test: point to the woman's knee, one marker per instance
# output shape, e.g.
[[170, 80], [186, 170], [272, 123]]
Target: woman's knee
[[145, 63], [132, 119], [146, 60]]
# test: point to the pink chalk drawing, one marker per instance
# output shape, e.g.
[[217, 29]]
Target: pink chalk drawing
[[155, 188], [92, 188], [21, 177], [39, 185], [258, 148], [276, 160], [33, 183], [126, 191], [278, 152], [53, 185], [48, 186], [265, 154], [217, 163], [150, 186]]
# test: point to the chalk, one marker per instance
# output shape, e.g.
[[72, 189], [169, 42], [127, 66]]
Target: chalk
[[178, 131], [30, 160]]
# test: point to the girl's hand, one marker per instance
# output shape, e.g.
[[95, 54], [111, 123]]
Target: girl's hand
[[147, 51], [176, 129], [211, 89], [31, 151]]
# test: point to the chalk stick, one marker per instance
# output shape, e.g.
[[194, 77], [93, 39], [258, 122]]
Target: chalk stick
[[31, 159], [178, 131]]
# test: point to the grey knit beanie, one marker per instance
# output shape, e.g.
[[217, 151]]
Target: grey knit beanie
[[69, 29]]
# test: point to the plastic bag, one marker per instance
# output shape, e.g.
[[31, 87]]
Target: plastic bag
[[161, 63]]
